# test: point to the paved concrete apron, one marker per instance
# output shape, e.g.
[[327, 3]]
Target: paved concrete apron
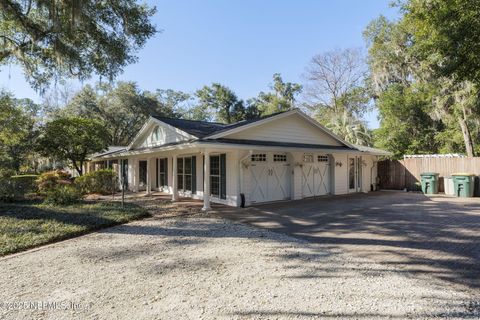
[[436, 236]]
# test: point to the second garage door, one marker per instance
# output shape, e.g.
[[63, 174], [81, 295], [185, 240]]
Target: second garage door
[[315, 175], [270, 177]]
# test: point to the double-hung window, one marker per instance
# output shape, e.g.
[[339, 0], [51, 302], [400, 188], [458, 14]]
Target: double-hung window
[[218, 179], [186, 174]]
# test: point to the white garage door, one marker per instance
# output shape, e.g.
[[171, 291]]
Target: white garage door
[[315, 175], [269, 177]]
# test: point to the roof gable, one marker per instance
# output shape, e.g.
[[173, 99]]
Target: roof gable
[[155, 133], [289, 127]]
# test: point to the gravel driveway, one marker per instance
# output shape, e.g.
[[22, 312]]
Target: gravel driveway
[[203, 267]]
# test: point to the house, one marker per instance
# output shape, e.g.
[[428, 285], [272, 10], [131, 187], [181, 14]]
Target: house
[[283, 156]]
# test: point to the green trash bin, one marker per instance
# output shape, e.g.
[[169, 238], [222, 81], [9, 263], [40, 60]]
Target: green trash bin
[[463, 184], [429, 182]]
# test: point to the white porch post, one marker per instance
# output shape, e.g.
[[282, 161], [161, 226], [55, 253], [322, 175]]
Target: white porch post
[[206, 182], [174, 179], [149, 176], [136, 182]]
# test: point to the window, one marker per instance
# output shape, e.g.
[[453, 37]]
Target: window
[[218, 176], [279, 158], [215, 176], [186, 174], [308, 158], [322, 158], [259, 157], [162, 178]]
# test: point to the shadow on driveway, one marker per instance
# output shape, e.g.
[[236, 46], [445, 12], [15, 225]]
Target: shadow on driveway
[[436, 236]]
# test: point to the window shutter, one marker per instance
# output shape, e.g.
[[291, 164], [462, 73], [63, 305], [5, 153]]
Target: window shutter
[[194, 174], [223, 177]]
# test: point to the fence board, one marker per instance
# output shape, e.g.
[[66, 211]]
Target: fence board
[[401, 174]]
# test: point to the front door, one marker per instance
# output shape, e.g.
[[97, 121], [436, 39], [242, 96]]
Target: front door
[[354, 174]]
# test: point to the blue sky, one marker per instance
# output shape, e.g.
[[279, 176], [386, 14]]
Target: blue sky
[[239, 43]]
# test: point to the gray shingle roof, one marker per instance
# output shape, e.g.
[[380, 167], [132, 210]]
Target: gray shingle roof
[[201, 129]]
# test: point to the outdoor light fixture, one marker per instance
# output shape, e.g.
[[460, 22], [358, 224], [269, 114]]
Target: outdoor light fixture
[[338, 164]]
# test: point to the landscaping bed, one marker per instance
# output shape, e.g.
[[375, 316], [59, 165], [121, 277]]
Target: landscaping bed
[[29, 224]]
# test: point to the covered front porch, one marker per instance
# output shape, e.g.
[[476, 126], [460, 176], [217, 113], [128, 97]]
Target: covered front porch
[[190, 173]]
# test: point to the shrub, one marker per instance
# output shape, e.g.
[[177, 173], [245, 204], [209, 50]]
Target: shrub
[[15, 187], [25, 183], [7, 190], [51, 179], [101, 181], [63, 195]]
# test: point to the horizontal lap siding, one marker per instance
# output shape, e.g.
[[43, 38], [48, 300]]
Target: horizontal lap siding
[[341, 173], [290, 129]]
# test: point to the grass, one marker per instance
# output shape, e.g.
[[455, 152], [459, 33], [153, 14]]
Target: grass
[[25, 225]]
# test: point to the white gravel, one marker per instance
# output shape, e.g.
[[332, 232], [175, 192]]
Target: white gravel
[[207, 268]]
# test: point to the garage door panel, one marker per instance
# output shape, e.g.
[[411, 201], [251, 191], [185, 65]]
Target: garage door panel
[[270, 179], [279, 183], [316, 178], [259, 183]]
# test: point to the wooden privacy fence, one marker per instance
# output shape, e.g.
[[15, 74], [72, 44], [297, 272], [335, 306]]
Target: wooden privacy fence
[[401, 174]]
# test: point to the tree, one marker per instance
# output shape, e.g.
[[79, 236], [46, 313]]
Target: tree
[[398, 57], [55, 39], [406, 126], [72, 139], [281, 99], [17, 131], [333, 79], [122, 108], [447, 33], [350, 129], [223, 101]]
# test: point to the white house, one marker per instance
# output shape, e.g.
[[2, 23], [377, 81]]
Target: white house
[[283, 156]]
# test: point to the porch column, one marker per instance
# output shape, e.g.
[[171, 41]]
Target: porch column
[[174, 179], [136, 177], [206, 181], [149, 178]]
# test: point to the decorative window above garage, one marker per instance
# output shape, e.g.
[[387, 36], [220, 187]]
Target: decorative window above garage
[[308, 158], [258, 157], [322, 159]]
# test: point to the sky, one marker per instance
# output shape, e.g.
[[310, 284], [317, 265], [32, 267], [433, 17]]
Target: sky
[[238, 43]]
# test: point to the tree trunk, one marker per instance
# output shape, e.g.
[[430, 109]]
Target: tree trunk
[[467, 138]]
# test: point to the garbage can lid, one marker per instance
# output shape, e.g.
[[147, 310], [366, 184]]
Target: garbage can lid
[[429, 174], [463, 174]]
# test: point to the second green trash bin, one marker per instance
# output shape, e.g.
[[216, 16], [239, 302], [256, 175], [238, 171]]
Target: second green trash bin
[[429, 182], [463, 184]]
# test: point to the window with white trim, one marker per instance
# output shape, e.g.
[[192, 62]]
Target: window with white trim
[[279, 158], [258, 157], [308, 158], [322, 159], [215, 176]]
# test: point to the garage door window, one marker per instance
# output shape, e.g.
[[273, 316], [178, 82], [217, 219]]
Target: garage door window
[[259, 157], [322, 159], [279, 158]]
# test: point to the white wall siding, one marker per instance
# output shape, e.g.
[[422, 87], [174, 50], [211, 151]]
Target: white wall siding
[[288, 129], [341, 173]]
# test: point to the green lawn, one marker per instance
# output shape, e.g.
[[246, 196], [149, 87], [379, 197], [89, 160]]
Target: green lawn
[[28, 224]]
